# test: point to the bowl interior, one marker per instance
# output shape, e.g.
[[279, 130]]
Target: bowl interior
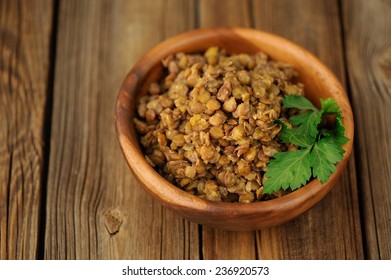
[[319, 83]]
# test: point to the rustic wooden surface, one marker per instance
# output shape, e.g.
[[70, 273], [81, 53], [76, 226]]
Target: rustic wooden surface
[[368, 59], [65, 190], [25, 35]]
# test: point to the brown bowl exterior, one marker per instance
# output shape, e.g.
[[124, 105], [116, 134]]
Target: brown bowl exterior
[[319, 82]]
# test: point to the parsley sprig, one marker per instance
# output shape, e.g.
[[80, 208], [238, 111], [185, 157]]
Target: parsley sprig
[[319, 146]]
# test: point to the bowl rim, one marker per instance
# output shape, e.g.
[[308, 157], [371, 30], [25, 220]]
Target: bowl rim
[[178, 199]]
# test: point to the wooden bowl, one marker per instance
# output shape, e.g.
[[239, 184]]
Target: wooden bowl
[[319, 82]]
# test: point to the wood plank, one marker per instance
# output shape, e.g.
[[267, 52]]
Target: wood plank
[[331, 230], [96, 209], [367, 27], [25, 30], [215, 13], [216, 243]]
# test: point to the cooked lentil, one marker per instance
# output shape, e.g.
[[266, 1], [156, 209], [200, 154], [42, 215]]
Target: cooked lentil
[[208, 126]]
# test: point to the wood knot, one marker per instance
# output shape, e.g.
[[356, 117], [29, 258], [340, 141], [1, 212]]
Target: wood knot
[[113, 221]]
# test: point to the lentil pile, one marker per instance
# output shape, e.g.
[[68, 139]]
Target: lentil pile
[[208, 126]]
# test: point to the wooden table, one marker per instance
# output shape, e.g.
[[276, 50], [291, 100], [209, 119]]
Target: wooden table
[[65, 189]]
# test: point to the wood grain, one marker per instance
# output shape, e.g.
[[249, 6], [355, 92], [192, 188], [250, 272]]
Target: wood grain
[[96, 210], [214, 241], [368, 52], [25, 30], [317, 234], [229, 13]]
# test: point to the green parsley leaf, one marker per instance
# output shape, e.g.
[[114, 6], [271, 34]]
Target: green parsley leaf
[[339, 132], [288, 169], [300, 119], [331, 139], [319, 145], [298, 102], [329, 106], [310, 125], [325, 154], [295, 137]]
